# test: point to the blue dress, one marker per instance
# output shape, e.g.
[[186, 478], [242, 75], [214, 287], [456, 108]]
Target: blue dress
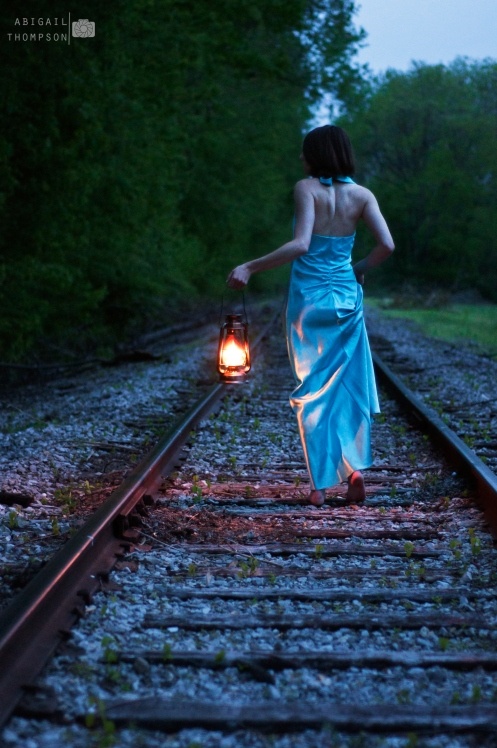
[[330, 356]]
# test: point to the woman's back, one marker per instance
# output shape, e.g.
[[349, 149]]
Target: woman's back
[[337, 208]]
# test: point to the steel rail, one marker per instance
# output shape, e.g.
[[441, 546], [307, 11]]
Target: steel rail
[[460, 455], [51, 600], [54, 599]]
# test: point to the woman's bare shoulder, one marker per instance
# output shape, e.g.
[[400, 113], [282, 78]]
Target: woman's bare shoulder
[[362, 191], [304, 191], [304, 185], [362, 196]]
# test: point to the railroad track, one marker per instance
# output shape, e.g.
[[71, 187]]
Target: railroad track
[[236, 611], [455, 381]]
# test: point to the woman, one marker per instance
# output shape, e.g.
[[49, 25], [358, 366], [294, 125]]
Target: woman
[[327, 340]]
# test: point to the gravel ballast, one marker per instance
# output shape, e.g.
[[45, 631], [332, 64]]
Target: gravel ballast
[[234, 453]]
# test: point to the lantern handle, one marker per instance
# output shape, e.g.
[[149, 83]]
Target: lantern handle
[[222, 309]]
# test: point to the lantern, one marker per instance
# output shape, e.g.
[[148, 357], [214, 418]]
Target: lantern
[[233, 353]]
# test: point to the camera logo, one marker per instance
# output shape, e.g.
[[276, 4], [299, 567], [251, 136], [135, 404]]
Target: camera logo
[[83, 28]]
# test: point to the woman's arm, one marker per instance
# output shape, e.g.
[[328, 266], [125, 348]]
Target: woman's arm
[[304, 222], [384, 247]]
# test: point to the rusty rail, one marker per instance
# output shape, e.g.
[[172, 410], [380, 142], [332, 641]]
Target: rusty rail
[[37, 620], [51, 600], [462, 457]]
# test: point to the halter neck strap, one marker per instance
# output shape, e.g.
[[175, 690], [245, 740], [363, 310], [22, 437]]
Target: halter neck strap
[[328, 181]]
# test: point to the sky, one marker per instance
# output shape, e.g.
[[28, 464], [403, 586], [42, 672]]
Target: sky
[[430, 31]]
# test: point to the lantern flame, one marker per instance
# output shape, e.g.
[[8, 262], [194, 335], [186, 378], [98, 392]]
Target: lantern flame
[[233, 353]]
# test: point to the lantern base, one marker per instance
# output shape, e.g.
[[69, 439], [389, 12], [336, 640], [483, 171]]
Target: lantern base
[[238, 379]]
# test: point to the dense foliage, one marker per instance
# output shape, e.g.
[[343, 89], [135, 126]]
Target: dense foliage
[[138, 166], [425, 141]]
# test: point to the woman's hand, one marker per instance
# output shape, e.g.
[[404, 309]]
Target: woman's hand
[[239, 277]]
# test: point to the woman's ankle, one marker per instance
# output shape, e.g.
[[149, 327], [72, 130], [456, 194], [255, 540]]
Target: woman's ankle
[[317, 496], [356, 489]]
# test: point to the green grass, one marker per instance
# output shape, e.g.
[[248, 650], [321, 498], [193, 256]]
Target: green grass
[[475, 323]]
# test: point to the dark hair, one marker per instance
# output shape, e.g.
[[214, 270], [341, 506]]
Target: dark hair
[[328, 151]]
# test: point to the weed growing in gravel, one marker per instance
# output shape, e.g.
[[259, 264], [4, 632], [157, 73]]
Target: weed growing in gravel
[[408, 548], [235, 433], [392, 583], [275, 439], [107, 738], [404, 696], [224, 416], [485, 434], [108, 645], [443, 643], [116, 678], [82, 670], [220, 657], [55, 526], [455, 547], [474, 423], [196, 489], [13, 520], [398, 429], [435, 404], [264, 461], [415, 570], [318, 550], [64, 496], [476, 694], [475, 541], [430, 480], [247, 568]]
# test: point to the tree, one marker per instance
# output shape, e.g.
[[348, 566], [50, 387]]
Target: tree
[[425, 141], [139, 165]]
